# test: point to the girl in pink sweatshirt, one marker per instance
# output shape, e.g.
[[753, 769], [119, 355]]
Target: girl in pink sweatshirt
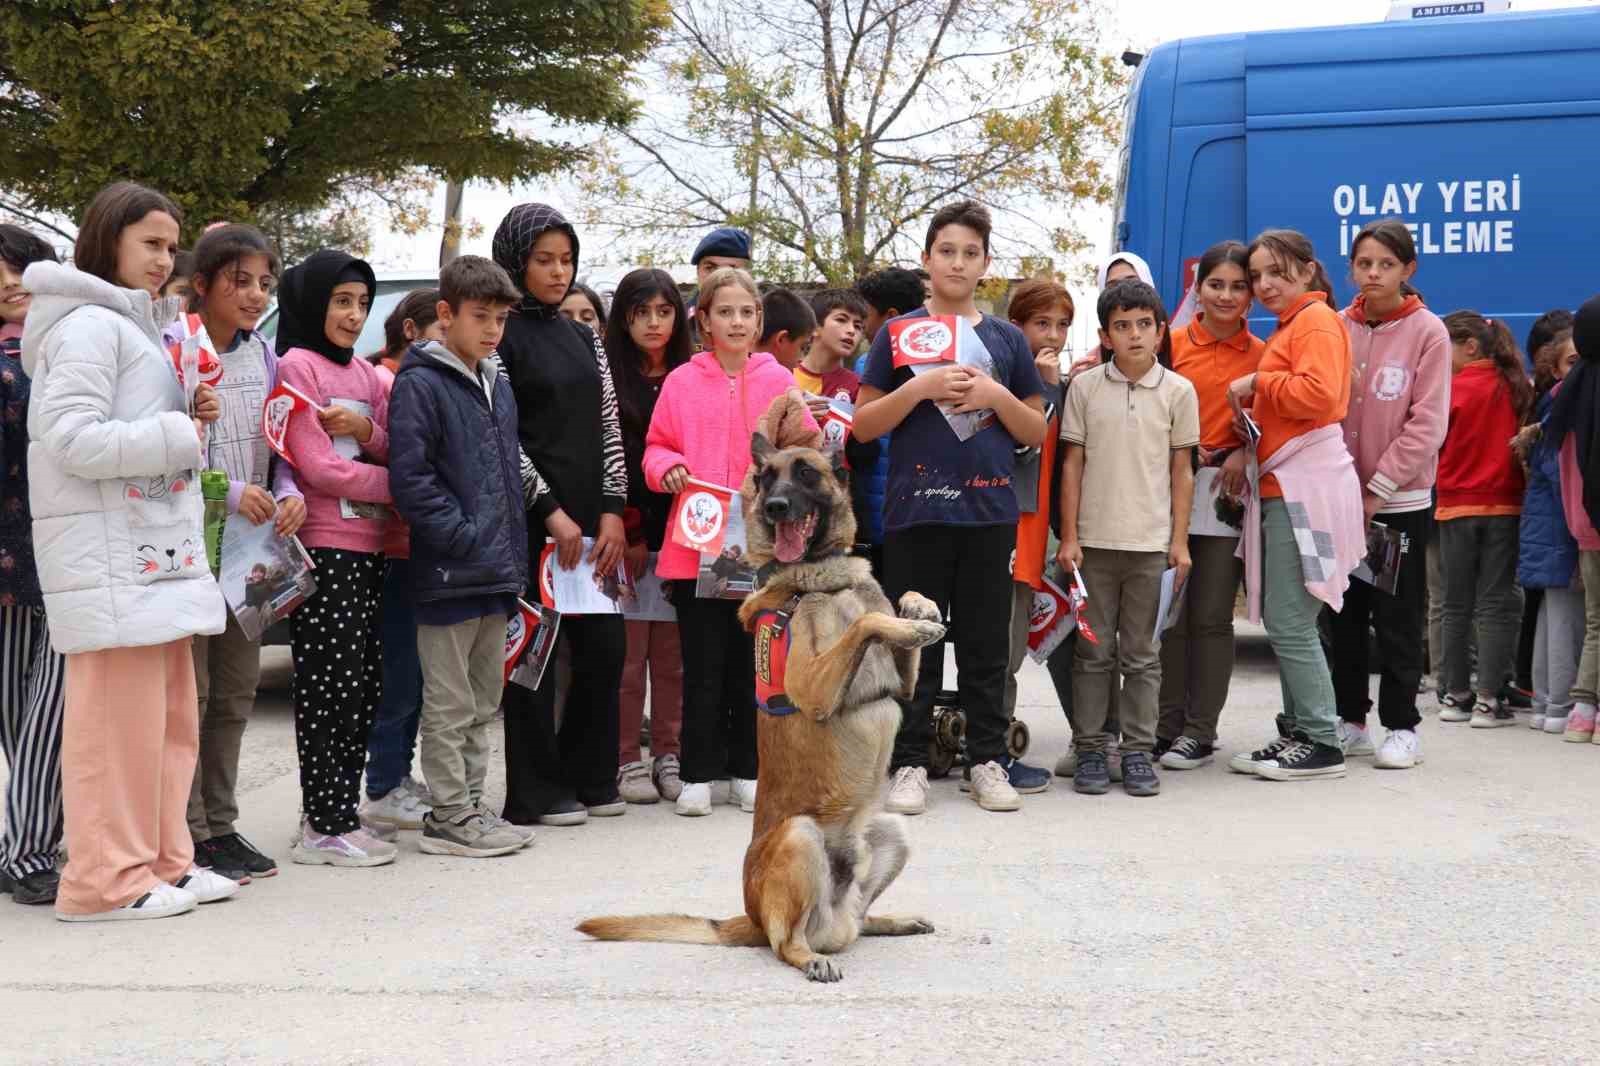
[[339, 456], [701, 428], [1394, 428]]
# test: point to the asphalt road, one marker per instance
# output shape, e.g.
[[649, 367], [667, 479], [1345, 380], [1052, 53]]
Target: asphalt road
[[1447, 914]]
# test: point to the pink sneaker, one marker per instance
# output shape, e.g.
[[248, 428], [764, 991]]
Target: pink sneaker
[[355, 848], [1580, 724]]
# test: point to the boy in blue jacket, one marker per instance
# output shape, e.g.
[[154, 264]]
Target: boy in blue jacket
[[455, 471]]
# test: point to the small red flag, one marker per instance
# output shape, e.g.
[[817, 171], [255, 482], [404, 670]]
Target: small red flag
[[700, 517]]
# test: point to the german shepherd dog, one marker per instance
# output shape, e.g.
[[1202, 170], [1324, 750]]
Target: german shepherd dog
[[822, 849]]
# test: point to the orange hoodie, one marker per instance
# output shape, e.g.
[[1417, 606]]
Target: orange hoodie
[[1303, 382]]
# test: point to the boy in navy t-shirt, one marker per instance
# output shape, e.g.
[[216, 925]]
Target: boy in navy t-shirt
[[950, 512]]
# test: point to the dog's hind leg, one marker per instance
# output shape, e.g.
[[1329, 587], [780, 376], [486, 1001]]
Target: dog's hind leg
[[794, 883], [886, 840]]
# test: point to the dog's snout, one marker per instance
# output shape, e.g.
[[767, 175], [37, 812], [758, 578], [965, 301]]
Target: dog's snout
[[777, 507]]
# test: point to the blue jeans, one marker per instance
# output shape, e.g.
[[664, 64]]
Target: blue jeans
[[393, 740]]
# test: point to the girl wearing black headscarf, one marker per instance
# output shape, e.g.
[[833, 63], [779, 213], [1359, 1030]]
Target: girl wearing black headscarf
[[567, 413], [340, 456]]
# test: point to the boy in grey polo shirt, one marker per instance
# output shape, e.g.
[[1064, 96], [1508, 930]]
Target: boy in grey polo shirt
[[1130, 426]]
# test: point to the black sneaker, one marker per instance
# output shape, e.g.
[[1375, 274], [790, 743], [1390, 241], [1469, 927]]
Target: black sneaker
[[603, 802], [1138, 776], [246, 855], [1514, 696], [1304, 759], [1187, 753], [31, 889], [1093, 777], [211, 855], [564, 811], [1160, 748], [1247, 762]]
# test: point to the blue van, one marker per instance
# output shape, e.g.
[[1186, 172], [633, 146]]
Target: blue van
[[1481, 132]]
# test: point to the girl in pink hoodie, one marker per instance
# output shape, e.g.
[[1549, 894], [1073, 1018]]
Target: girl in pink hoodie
[[701, 428], [1394, 428], [340, 455]]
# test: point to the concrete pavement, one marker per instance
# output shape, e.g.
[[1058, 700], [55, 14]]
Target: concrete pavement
[[1442, 915]]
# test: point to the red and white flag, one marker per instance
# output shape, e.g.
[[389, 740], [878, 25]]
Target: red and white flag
[[836, 424], [1050, 621], [700, 517], [924, 341], [529, 639], [282, 403], [1079, 595]]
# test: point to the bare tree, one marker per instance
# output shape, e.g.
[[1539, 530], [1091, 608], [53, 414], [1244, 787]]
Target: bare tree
[[832, 128]]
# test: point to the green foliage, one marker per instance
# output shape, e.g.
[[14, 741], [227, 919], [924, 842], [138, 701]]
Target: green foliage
[[832, 129], [236, 107]]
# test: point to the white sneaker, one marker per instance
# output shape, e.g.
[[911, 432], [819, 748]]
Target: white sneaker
[[743, 792], [695, 799], [991, 788], [1354, 739], [162, 901], [908, 791], [420, 790], [1536, 721], [1555, 723], [206, 886], [634, 784], [1401, 750], [398, 809]]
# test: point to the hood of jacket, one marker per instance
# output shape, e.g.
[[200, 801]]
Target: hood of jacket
[[434, 354], [513, 244], [708, 367], [59, 289], [303, 298], [1357, 311]]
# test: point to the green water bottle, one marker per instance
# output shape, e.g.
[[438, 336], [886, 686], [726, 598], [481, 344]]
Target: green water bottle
[[214, 488]]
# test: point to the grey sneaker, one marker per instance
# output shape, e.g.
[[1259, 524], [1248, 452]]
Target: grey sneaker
[[469, 834], [665, 775], [633, 781], [493, 819], [1138, 776]]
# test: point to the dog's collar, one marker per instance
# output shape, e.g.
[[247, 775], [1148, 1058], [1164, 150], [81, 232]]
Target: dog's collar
[[831, 573]]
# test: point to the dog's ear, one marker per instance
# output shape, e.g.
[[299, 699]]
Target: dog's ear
[[841, 472], [761, 448]]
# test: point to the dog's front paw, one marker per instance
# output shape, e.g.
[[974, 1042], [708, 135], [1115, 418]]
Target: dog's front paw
[[916, 606], [914, 633], [823, 969]]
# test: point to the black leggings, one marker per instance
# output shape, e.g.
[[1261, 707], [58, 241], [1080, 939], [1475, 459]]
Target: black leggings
[[719, 689], [338, 679]]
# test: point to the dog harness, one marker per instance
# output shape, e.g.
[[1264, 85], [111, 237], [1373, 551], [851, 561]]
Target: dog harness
[[772, 658]]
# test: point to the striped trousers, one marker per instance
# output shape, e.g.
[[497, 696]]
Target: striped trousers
[[32, 685]]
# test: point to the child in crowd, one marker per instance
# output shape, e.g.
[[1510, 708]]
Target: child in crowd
[[334, 635], [395, 798], [1547, 553], [825, 377], [584, 306], [1298, 396], [1399, 407], [1126, 494], [1042, 309], [31, 700], [566, 405], [701, 428], [113, 466], [1480, 503], [647, 338], [889, 293], [787, 327], [235, 268], [180, 286], [950, 513], [1211, 352], [1571, 428], [455, 469]]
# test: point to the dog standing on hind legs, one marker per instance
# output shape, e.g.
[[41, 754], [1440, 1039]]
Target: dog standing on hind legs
[[831, 656]]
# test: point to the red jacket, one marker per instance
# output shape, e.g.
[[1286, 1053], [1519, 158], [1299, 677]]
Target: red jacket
[[1477, 467]]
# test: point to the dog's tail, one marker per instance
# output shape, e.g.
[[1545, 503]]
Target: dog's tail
[[738, 932]]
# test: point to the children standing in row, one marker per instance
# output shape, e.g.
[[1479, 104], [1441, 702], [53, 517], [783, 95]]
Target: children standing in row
[[456, 475], [647, 338], [950, 514], [334, 634], [701, 428], [235, 270], [1126, 494], [1480, 503], [1212, 351], [395, 798], [1394, 427], [31, 685]]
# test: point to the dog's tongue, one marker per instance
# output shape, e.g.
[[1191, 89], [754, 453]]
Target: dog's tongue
[[790, 543]]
